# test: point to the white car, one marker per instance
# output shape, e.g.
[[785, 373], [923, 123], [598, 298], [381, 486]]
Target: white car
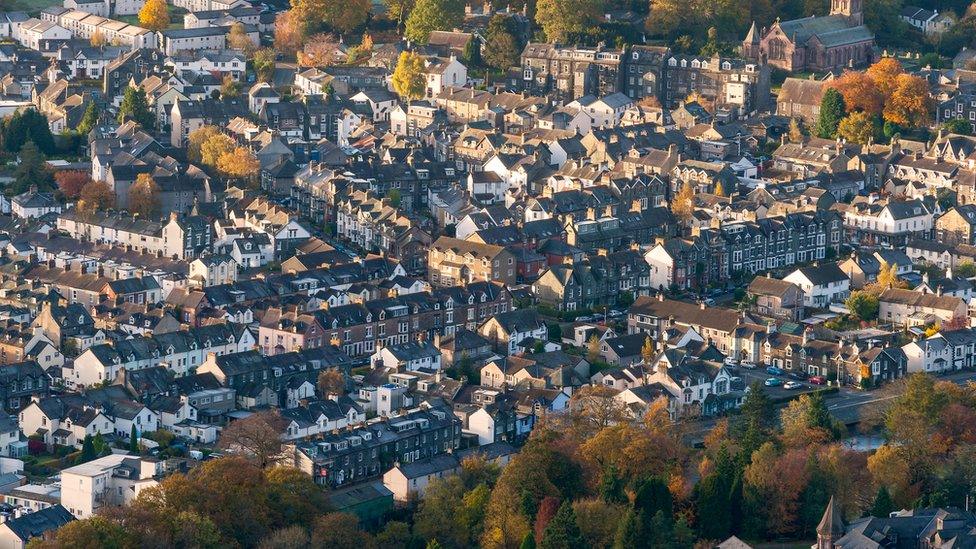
[[748, 365], [793, 385], [729, 361]]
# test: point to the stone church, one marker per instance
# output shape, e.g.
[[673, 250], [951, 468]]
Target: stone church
[[816, 43]]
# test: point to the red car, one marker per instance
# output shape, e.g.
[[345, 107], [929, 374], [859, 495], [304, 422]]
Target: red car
[[818, 380]]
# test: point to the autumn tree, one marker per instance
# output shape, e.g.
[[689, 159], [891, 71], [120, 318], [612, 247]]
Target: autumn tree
[[230, 88], [135, 107], [70, 182], [832, 111], [561, 19], [98, 39], [408, 77], [257, 437], [647, 350], [320, 50], [331, 381], [593, 348], [216, 146], [397, 10], [806, 421], [339, 530], [238, 39], [795, 132], [910, 104], [144, 196], [195, 142], [294, 496], [773, 484], [239, 163], [856, 127], [290, 537], [502, 47], [884, 73], [860, 93], [430, 15], [343, 17], [264, 64], [92, 532], [95, 196], [683, 206], [289, 31], [154, 15]]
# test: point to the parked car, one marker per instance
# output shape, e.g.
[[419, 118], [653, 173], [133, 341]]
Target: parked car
[[773, 382], [798, 375], [793, 385], [748, 364], [818, 380], [774, 370], [729, 361]]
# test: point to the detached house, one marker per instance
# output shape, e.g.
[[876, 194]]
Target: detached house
[[507, 330], [821, 284]]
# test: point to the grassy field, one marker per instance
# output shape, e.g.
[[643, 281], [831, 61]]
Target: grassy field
[[33, 6]]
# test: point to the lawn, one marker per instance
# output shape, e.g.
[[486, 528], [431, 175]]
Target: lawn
[[33, 6]]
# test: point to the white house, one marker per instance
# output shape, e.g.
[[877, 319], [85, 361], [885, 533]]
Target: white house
[[821, 284], [116, 479], [410, 480], [440, 72], [408, 357], [487, 186], [381, 102], [213, 270]]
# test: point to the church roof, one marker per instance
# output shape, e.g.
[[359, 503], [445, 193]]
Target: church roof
[[832, 523], [830, 30]]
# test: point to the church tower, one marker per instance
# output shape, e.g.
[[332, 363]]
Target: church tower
[[831, 527], [851, 9]]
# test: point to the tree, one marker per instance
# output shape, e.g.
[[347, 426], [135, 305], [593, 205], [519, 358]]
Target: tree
[[257, 437], [683, 206], [528, 542], [95, 196], [92, 532], [339, 530], [154, 15], [910, 104], [857, 127], [795, 132], [719, 189], [863, 305], [628, 532], [135, 107], [653, 497], [562, 531], [832, 111], [133, 440], [320, 50], [593, 349], [471, 55], [23, 126], [32, 170], [884, 73], [87, 450], [965, 269], [395, 197], [408, 77], [343, 17], [547, 511], [291, 537], [502, 47], [560, 19], [294, 496], [882, 506], [331, 382], [289, 31], [597, 521], [264, 64], [98, 39], [647, 350], [239, 163], [430, 15], [395, 535], [397, 10], [806, 421], [71, 182], [958, 126], [144, 196], [195, 141], [860, 93], [89, 120], [756, 419], [215, 147], [230, 88], [238, 39]]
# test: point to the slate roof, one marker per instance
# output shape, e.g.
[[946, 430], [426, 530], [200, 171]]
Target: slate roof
[[32, 525]]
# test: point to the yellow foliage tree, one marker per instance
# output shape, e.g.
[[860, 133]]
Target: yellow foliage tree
[[856, 127], [195, 142], [683, 205], [240, 163], [215, 147], [884, 74], [154, 15], [910, 104], [289, 32], [860, 92], [98, 39], [144, 196], [408, 77]]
